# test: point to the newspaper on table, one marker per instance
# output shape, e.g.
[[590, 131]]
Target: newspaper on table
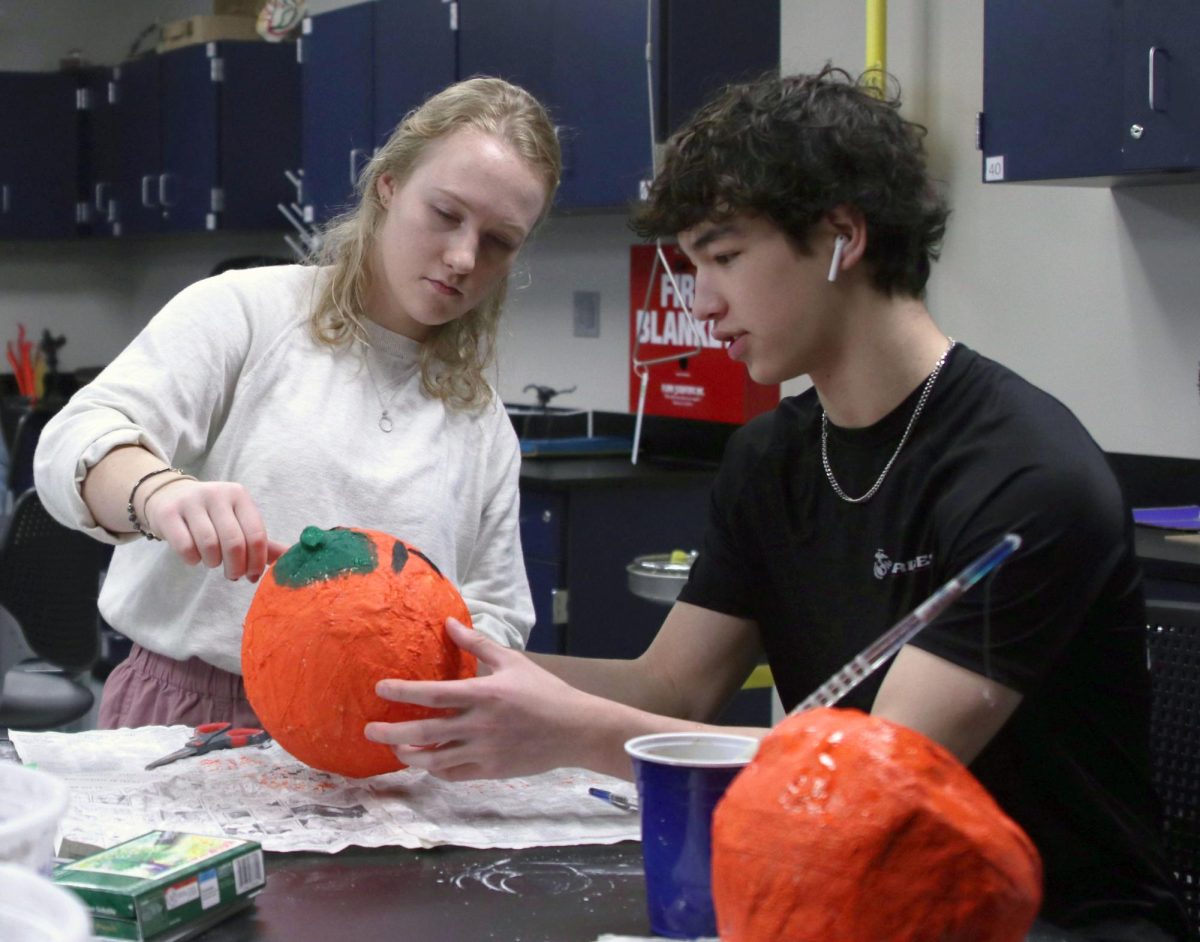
[[265, 794]]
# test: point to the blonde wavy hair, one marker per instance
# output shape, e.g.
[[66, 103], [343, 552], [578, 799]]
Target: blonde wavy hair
[[456, 355]]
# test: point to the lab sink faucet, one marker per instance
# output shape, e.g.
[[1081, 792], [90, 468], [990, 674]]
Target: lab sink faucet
[[545, 394]]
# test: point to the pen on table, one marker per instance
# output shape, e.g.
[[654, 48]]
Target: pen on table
[[617, 801]]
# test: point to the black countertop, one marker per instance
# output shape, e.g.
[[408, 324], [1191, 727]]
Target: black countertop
[[669, 450], [613, 471], [448, 894], [457, 894]]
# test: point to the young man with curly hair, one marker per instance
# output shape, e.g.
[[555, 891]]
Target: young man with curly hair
[[806, 206]]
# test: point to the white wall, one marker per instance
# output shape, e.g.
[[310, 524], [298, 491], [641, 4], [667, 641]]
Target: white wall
[[36, 34], [1091, 293], [569, 254]]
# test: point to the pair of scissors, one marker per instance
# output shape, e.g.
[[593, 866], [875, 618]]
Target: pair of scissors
[[208, 737]]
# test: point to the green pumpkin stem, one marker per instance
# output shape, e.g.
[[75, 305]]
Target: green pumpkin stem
[[325, 554]]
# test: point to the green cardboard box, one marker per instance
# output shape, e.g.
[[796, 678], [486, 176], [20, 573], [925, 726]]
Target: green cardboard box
[[165, 882]]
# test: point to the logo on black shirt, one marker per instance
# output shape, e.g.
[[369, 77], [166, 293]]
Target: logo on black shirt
[[884, 566]]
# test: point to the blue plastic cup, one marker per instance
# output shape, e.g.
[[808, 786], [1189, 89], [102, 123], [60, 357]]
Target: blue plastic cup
[[680, 778]]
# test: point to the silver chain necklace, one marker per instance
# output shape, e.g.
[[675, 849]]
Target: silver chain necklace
[[385, 420], [837, 488]]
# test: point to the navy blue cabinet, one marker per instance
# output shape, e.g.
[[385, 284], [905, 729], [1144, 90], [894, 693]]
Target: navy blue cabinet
[[543, 515], [582, 522], [415, 54], [137, 124], [189, 179], [598, 83], [336, 107], [364, 67], [1090, 92], [707, 44], [39, 128], [101, 162], [205, 135], [258, 132], [607, 529], [586, 62], [1161, 86], [512, 39]]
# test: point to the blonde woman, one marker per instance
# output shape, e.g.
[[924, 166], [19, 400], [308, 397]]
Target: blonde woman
[[350, 392]]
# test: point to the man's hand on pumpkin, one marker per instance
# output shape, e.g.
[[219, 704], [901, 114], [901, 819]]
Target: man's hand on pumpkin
[[215, 523], [519, 719]]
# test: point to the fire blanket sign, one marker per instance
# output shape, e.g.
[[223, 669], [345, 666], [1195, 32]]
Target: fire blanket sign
[[690, 375]]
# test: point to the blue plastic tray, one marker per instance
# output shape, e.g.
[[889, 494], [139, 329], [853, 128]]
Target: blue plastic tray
[[1169, 518]]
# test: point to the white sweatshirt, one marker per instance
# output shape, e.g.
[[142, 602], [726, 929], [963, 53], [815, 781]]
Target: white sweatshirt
[[227, 384]]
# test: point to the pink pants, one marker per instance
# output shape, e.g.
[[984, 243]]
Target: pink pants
[[147, 689]]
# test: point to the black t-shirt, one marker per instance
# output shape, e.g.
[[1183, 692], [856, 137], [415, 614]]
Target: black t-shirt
[[1061, 621]]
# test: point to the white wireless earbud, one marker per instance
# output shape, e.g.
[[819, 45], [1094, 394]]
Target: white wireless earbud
[[838, 244]]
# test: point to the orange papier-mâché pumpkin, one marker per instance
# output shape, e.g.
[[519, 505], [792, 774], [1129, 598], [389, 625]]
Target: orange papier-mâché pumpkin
[[848, 827], [338, 612]]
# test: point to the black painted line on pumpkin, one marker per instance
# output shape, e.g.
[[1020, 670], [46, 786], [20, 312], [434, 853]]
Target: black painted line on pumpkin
[[432, 566]]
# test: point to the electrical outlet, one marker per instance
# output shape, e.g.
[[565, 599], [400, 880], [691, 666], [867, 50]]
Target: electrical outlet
[[586, 305]]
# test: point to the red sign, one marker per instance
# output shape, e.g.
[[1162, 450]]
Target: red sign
[[689, 374]]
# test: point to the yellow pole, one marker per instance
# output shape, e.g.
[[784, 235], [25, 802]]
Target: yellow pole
[[874, 75]]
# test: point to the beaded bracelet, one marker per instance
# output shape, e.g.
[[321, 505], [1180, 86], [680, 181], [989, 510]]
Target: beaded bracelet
[[133, 518]]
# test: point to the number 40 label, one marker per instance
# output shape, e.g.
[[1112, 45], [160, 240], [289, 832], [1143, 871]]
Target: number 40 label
[[993, 169]]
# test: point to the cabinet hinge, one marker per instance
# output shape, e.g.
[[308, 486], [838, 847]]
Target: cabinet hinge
[[217, 201], [306, 28], [83, 99], [979, 130], [559, 605], [453, 8], [217, 69], [112, 93]]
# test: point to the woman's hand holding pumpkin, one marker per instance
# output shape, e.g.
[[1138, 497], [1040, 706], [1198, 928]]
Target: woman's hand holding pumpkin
[[518, 719], [212, 522]]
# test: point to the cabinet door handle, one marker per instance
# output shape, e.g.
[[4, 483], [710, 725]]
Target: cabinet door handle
[[100, 202], [1157, 97], [162, 189], [355, 153], [146, 198]]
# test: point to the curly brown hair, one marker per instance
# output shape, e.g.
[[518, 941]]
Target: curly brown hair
[[791, 148]]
